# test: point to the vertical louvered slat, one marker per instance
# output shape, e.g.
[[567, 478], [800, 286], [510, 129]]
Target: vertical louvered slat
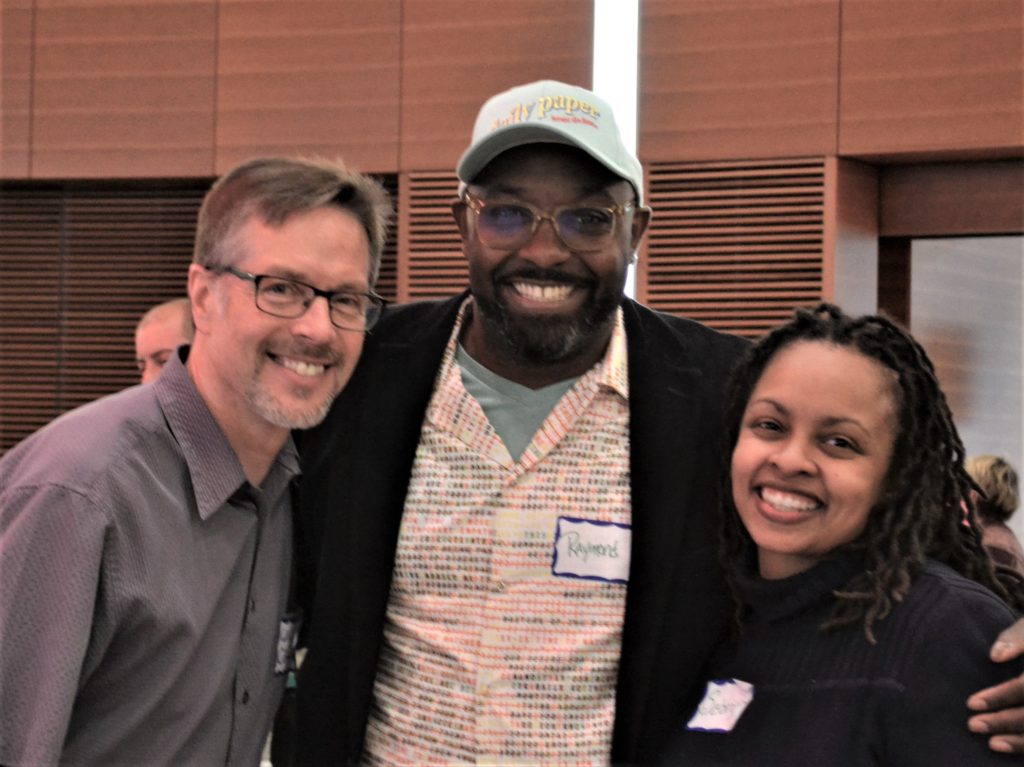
[[736, 245], [431, 264]]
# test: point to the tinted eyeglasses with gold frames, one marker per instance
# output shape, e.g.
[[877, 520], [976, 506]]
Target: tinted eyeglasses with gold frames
[[510, 225], [288, 299]]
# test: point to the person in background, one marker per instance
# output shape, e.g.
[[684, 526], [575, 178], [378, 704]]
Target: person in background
[[160, 331], [514, 499], [146, 538], [865, 606], [996, 503]]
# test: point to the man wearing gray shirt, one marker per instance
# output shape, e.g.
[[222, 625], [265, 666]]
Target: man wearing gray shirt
[[146, 538]]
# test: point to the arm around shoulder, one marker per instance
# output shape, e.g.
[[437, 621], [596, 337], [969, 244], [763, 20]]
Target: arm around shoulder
[[1000, 708], [948, 660]]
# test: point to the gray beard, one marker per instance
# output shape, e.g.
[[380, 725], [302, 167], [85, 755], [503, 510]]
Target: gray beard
[[271, 410]]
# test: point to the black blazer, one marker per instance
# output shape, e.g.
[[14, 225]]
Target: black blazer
[[357, 466]]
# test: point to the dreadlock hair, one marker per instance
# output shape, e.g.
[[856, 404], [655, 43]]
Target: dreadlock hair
[[923, 510]]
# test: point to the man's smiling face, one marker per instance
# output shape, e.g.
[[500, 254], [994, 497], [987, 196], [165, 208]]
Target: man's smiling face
[[545, 302], [284, 372]]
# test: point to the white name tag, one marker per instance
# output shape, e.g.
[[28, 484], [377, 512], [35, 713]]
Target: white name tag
[[724, 701], [595, 550], [287, 638]]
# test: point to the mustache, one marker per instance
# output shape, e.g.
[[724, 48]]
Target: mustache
[[321, 353]]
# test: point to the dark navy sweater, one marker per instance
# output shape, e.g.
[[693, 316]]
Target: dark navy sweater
[[831, 698]]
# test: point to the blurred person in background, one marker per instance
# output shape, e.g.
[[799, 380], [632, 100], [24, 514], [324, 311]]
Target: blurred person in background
[[997, 502], [160, 331]]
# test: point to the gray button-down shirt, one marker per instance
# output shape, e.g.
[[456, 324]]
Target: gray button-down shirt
[[143, 582]]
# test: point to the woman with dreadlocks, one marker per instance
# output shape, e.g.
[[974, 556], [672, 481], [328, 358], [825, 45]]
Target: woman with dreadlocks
[[866, 606]]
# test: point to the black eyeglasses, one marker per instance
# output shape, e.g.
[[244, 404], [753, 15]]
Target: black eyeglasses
[[281, 297], [508, 226]]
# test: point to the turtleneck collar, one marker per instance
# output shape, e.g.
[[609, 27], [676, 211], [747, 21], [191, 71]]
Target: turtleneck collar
[[774, 600]]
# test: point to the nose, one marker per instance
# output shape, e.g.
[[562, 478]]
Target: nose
[[315, 323], [545, 248], [793, 456]]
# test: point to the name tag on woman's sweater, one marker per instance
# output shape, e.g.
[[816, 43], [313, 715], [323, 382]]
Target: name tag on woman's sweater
[[724, 702]]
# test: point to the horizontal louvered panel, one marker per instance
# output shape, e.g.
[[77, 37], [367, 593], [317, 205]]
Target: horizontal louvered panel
[[433, 265], [80, 264], [736, 245]]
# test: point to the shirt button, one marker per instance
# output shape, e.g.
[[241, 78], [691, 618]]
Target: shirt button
[[252, 605], [245, 697]]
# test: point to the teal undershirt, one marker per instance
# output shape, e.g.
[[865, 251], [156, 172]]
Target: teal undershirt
[[515, 411]]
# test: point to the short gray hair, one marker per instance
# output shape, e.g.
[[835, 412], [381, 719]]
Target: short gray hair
[[276, 187]]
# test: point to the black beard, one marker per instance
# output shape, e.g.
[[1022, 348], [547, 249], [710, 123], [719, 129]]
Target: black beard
[[541, 340]]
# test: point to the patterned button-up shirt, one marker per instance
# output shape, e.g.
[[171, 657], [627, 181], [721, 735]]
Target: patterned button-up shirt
[[504, 622]]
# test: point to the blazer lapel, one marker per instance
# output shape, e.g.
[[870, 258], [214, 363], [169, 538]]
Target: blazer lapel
[[674, 550]]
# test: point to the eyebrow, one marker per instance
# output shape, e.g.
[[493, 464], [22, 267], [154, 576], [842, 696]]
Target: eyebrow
[[288, 274], [830, 421]]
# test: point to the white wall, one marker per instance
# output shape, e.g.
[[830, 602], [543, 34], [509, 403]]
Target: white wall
[[967, 311]]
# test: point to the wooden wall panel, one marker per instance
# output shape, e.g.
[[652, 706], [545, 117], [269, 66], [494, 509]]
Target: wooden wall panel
[[944, 77], [735, 245], [310, 77], [123, 89], [738, 78], [950, 199], [458, 53], [16, 23]]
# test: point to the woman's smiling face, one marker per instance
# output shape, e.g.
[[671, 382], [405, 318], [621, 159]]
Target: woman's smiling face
[[812, 454]]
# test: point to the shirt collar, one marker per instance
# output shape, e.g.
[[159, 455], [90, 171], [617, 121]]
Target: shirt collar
[[612, 370], [215, 470], [614, 373]]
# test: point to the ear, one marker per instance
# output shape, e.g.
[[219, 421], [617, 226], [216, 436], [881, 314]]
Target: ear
[[641, 220], [200, 293]]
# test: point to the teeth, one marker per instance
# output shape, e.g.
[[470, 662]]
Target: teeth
[[788, 501], [550, 293], [303, 368]]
